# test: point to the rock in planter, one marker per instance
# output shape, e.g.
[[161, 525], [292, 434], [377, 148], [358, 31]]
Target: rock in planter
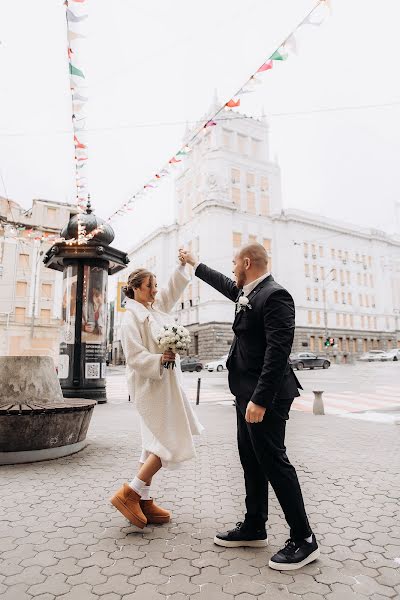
[[36, 422]]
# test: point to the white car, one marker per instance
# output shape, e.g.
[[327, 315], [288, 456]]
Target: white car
[[391, 355], [217, 365], [373, 356]]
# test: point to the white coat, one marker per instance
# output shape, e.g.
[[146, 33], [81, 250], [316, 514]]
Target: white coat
[[168, 421]]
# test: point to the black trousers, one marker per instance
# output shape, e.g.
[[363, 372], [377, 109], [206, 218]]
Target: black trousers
[[263, 456]]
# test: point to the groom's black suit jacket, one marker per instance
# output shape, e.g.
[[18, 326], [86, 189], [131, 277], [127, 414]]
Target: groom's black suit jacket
[[258, 359]]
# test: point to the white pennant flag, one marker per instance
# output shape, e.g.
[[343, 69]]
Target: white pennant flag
[[291, 44]]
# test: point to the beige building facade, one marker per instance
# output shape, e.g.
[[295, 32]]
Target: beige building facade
[[30, 294]]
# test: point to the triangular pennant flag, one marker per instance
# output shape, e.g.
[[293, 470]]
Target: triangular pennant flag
[[78, 107], [70, 53], [174, 161], [210, 124], [316, 21], [74, 71], [279, 55], [74, 18], [233, 104], [148, 186], [72, 35], [291, 44], [81, 1], [79, 98], [78, 144], [266, 66]]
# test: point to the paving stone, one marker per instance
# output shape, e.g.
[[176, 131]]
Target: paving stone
[[79, 592], [16, 592], [178, 583], [29, 576], [211, 591], [145, 591], [117, 584], [55, 585], [90, 575], [243, 584]]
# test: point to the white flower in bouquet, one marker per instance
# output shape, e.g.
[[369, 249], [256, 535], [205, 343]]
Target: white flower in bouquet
[[175, 338]]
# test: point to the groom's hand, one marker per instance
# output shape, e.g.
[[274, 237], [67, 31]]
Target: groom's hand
[[254, 413], [186, 257]]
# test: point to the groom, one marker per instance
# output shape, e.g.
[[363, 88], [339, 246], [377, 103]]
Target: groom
[[262, 380]]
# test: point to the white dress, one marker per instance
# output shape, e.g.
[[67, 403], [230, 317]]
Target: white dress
[[167, 420]]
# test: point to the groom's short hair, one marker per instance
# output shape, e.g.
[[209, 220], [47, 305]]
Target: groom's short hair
[[256, 253]]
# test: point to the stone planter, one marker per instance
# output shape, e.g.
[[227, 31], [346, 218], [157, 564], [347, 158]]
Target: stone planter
[[36, 422]]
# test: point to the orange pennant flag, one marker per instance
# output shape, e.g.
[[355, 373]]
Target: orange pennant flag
[[233, 103]]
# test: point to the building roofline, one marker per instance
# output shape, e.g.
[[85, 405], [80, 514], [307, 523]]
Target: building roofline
[[308, 218]]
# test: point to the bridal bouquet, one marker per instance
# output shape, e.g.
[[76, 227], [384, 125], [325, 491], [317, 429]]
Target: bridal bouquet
[[175, 338]]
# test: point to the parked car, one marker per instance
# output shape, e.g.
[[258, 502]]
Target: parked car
[[217, 365], [393, 354], [191, 363], [308, 360], [373, 356]]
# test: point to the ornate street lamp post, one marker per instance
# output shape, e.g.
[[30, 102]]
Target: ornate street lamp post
[[85, 266]]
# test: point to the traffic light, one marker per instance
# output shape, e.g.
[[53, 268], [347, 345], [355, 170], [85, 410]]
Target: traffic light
[[327, 342], [331, 341]]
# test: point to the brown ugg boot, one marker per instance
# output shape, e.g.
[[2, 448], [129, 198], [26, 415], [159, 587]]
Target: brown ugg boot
[[154, 513], [127, 501]]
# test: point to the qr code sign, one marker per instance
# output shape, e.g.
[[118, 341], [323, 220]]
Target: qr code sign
[[92, 371]]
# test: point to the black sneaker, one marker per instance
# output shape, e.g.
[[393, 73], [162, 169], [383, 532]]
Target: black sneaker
[[242, 535], [295, 555]]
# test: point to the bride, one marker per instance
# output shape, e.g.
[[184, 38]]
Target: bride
[[167, 421]]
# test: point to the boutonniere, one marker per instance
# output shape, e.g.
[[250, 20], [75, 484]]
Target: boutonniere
[[243, 304]]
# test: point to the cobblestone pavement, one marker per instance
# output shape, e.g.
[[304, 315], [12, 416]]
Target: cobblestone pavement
[[60, 537]]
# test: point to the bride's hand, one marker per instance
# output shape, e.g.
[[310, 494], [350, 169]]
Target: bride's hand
[[168, 356], [186, 257]]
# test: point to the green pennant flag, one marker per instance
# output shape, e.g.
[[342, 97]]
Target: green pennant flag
[[74, 71], [278, 56]]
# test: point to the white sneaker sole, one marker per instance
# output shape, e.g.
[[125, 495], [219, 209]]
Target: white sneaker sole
[[247, 544], [294, 566]]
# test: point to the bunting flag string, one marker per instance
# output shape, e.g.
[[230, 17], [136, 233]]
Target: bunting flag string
[[281, 54], [74, 20]]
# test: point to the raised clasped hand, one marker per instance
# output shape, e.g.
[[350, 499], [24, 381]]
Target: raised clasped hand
[[254, 413], [186, 257]]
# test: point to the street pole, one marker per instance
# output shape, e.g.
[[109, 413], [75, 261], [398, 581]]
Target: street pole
[[34, 289]]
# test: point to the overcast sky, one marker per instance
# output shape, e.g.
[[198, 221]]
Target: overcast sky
[[152, 66]]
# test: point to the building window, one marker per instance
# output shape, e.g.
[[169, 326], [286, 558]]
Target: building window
[[324, 295], [227, 138], [373, 301], [312, 343], [336, 297], [371, 281], [369, 322], [337, 319], [251, 202], [309, 317], [242, 144], [340, 344], [264, 205], [235, 176], [351, 321], [305, 248], [348, 276], [46, 290], [308, 294], [341, 276], [339, 254], [255, 148], [307, 270], [359, 278], [250, 180], [367, 300], [375, 323], [365, 279], [343, 298], [236, 196], [344, 320], [362, 322], [322, 272], [320, 344], [349, 298], [264, 184], [252, 239], [237, 239], [20, 314], [334, 274], [333, 254], [316, 295], [360, 299], [23, 261], [267, 245], [45, 315], [315, 272], [354, 343], [321, 251], [318, 317], [21, 289], [51, 215], [346, 256], [370, 262], [313, 251]]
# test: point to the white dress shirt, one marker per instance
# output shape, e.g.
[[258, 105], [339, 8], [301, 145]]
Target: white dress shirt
[[250, 286]]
